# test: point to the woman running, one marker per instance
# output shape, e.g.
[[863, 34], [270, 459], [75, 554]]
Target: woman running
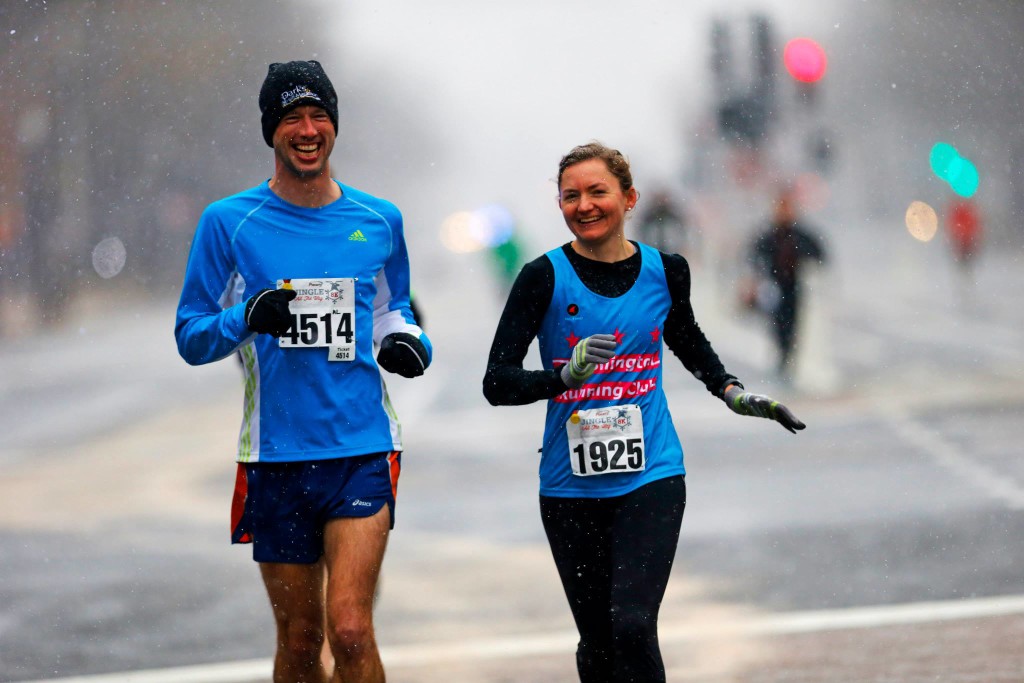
[[612, 487]]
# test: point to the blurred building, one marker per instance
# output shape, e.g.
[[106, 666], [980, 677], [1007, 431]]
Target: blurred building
[[125, 119]]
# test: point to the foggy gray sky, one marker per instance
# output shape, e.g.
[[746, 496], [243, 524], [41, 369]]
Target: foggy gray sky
[[511, 87], [459, 104]]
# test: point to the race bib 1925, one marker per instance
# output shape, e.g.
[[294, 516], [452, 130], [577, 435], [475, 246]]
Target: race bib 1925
[[323, 314], [606, 440]]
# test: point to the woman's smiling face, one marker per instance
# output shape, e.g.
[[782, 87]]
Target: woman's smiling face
[[592, 201]]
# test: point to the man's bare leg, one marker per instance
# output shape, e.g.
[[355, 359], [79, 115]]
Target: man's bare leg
[[296, 593], [354, 549]]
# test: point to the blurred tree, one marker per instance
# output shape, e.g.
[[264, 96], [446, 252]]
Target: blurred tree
[[127, 117]]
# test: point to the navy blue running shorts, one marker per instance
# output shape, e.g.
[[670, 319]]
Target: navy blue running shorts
[[282, 507]]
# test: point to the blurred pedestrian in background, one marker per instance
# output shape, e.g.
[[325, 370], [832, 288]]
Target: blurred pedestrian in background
[[779, 254], [663, 224], [964, 232], [498, 229], [612, 487], [506, 259], [304, 277]]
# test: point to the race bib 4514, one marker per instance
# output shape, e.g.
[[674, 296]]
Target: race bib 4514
[[323, 314]]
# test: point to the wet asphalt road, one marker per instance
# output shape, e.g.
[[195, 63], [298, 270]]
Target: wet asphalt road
[[906, 487]]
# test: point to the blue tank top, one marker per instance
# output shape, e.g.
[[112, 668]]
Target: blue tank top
[[634, 376]]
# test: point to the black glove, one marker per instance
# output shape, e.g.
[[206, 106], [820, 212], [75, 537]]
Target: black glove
[[267, 311], [743, 402], [402, 354]]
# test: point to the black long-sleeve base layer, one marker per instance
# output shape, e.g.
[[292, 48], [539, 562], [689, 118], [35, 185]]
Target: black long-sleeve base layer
[[506, 382]]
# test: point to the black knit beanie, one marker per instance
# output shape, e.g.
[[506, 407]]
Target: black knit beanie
[[293, 83]]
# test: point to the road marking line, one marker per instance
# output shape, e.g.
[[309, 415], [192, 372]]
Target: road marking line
[[999, 486], [556, 642]]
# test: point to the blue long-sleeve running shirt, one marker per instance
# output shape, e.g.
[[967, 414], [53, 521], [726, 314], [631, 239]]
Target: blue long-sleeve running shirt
[[298, 403]]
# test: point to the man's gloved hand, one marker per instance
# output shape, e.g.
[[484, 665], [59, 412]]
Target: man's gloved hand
[[403, 354], [743, 402], [267, 311], [586, 356]]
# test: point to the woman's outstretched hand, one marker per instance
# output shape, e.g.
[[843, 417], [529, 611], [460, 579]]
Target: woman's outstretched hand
[[743, 402]]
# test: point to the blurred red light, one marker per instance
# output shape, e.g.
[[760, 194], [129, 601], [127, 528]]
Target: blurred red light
[[804, 59]]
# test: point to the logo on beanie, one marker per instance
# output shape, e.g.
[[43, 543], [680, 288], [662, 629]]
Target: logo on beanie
[[297, 93]]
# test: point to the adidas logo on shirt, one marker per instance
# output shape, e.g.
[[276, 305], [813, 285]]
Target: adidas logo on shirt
[[357, 236]]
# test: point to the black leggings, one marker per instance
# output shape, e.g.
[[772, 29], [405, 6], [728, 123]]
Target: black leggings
[[614, 556]]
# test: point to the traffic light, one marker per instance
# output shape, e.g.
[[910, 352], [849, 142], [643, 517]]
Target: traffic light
[[743, 117], [745, 107], [805, 60], [959, 172]]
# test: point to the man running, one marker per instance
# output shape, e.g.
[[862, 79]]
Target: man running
[[304, 276]]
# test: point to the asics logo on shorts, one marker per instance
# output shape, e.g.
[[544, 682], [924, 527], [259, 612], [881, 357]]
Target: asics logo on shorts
[[361, 503]]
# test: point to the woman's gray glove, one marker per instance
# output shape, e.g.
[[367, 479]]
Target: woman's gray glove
[[586, 356], [743, 402]]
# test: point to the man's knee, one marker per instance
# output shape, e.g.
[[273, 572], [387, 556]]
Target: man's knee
[[301, 639], [352, 637]]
